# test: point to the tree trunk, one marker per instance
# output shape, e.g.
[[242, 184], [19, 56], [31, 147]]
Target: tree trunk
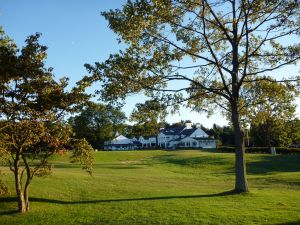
[[28, 179], [20, 196], [26, 198], [18, 185], [241, 184], [23, 203]]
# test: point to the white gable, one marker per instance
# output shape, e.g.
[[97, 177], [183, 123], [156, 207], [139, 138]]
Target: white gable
[[121, 140], [199, 133], [141, 139]]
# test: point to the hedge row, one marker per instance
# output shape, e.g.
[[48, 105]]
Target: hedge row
[[266, 150]]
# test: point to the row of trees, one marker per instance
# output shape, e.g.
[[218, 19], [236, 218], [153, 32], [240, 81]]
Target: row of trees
[[99, 122], [277, 133]]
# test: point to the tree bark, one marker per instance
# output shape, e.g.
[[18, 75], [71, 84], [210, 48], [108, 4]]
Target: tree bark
[[26, 198], [241, 184], [28, 179], [22, 197], [18, 185]]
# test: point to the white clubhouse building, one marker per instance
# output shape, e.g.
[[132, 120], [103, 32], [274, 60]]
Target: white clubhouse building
[[168, 138]]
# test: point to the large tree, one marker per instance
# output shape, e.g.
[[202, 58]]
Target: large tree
[[98, 123], [32, 108], [204, 51]]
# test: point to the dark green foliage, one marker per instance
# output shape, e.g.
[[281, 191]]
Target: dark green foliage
[[8, 58], [275, 132], [264, 150], [282, 150], [224, 134], [98, 123], [149, 117], [294, 128]]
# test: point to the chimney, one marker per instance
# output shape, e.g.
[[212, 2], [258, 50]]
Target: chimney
[[188, 124]]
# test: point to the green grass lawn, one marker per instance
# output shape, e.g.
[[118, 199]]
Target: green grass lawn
[[160, 187]]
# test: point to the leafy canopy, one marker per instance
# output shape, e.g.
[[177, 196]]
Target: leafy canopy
[[149, 117], [98, 123], [32, 109], [204, 51]]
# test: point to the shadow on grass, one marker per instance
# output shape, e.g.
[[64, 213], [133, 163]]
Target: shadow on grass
[[278, 163], [194, 162], [290, 223], [11, 212], [101, 166], [260, 164], [55, 201]]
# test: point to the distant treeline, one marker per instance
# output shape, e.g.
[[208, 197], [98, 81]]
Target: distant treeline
[[98, 123]]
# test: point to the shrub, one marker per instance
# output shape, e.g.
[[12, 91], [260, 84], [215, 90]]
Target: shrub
[[228, 149], [264, 150], [282, 150], [3, 187]]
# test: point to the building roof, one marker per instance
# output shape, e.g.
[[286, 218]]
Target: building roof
[[182, 130], [188, 132], [149, 136], [173, 130]]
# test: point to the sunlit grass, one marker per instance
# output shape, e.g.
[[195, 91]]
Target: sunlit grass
[[159, 187]]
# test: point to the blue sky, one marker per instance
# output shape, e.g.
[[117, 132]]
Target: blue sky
[[75, 34]]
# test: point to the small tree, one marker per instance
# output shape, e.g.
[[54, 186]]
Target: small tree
[[200, 51], [32, 108]]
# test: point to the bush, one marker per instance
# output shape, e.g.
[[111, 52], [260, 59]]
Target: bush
[[282, 150], [3, 188], [228, 149], [264, 150]]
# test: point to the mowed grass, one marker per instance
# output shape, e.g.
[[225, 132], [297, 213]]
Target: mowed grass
[[161, 187]]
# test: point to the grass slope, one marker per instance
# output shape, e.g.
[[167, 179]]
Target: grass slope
[[159, 187]]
